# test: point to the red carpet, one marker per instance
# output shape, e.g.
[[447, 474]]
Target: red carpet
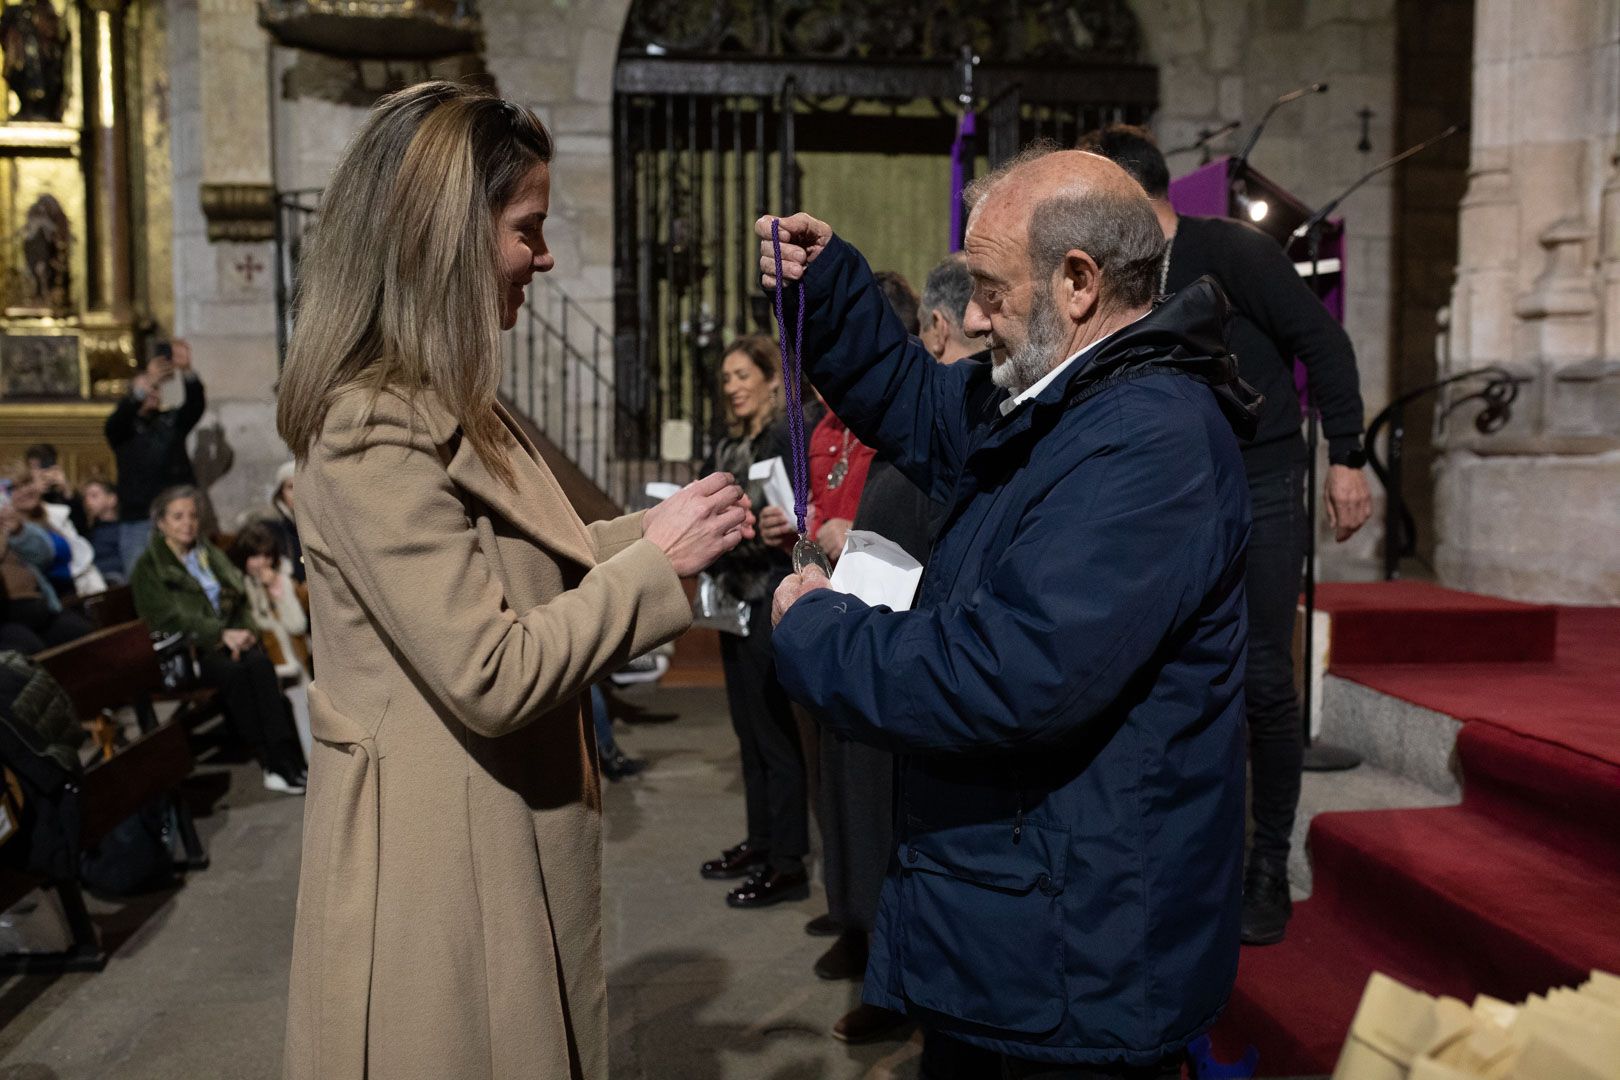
[[1413, 622], [1513, 891]]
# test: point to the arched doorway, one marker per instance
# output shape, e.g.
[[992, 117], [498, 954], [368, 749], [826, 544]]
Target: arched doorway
[[726, 111]]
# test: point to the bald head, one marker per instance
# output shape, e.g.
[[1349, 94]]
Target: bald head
[[1064, 249], [1074, 200]]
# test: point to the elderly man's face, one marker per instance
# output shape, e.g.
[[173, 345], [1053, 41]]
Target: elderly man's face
[[1009, 306]]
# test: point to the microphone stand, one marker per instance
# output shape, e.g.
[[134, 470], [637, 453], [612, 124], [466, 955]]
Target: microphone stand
[[1205, 137], [1242, 159], [1323, 757]]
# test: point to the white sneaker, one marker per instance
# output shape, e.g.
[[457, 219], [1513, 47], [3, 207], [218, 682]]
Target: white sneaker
[[280, 784]]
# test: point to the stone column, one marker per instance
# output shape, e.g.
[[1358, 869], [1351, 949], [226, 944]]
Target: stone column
[[1526, 512], [223, 222]]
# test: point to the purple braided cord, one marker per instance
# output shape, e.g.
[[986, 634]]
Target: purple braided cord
[[793, 380]]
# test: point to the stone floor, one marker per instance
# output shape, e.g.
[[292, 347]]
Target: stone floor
[[197, 981]]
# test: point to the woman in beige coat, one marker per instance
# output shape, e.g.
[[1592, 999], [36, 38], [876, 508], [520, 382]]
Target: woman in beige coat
[[449, 915]]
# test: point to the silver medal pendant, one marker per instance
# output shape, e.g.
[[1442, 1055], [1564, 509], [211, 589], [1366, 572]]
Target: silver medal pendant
[[808, 553]]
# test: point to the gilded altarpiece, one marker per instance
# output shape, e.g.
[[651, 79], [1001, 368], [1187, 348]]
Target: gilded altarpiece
[[85, 216]]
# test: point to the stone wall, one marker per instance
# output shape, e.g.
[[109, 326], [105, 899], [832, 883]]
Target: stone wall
[[1529, 512]]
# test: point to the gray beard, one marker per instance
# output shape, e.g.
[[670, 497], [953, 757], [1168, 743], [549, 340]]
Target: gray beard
[[1030, 362]]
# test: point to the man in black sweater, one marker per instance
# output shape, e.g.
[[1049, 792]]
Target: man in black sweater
[[149, 442], [1276, 318]]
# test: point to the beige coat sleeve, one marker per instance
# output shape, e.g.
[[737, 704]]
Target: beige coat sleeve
[[399, 532], [613, 536]]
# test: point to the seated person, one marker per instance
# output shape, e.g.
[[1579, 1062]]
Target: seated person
[[274, 605], [31, 614], [54, 486], [185, 585], [101, 520]]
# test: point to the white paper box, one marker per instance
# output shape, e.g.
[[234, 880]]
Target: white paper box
[[778, 489], [876, 570]]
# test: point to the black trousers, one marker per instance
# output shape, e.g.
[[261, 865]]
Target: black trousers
[[1276, 738], [254, 706], [856, 813], [31, 626], [943, 1058], [772, 756]]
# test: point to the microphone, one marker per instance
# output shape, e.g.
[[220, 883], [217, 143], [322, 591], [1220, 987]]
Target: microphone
[[1205, 137], [1315, 220], [1254, 136]]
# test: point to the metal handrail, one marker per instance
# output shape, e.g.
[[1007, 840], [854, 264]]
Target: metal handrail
[[558, 372], [1497, 395]]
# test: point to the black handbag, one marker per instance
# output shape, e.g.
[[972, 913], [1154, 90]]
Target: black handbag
[[175, 661]]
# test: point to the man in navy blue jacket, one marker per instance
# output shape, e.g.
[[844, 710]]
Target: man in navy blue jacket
[[1066, 698]]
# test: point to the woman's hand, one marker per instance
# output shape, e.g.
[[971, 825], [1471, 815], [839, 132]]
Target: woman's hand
[[831, 537], [776, 528], [238, 642], [700, 523]]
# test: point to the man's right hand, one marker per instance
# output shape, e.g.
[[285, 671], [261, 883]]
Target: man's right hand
[[803, 238], [700, 522], [158, 372]]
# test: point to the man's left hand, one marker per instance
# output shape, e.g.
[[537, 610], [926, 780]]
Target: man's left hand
[[794, 586], [182, 355], [1348, 499]]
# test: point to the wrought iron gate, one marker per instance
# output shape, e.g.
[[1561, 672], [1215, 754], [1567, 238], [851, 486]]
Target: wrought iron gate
[[707, 126]]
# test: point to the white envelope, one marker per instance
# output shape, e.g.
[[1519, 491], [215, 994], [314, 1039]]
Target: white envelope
[[778, 489], [877, 570], [659, 490]]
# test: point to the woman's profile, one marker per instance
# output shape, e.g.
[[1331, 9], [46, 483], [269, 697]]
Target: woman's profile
[[449, 914]]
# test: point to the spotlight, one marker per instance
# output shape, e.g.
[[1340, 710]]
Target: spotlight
[[1258, 209]]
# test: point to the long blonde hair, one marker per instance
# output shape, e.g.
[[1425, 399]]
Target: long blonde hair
[[399, 282]]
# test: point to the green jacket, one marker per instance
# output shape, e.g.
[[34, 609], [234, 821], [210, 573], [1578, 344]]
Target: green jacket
[[171, 600]]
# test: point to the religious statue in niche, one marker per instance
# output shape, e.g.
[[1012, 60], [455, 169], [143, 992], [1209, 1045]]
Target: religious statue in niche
[[36, 50], [45, 239], [39, 366]]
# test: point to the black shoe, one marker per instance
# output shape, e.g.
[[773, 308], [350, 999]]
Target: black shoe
[[846, 959], [823, 926], [1266, 905], [865, 1022], [739, 861], [618, 765], [770, 887]]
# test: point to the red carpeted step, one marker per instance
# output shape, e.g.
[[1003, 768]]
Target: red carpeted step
[[1565, 799], [1413, 622], [1498, 911], [1294, 1001]]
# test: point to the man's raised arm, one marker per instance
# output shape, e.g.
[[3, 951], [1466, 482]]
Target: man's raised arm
[[877, 378]]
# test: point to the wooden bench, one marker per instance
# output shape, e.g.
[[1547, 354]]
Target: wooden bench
[[111, 608], [108, 669]]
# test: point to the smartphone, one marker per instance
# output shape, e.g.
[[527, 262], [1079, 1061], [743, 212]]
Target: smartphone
[[162, 350]]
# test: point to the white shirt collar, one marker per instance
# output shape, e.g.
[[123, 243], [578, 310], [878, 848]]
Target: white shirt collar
[[1046, 380], [1051, 376]]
